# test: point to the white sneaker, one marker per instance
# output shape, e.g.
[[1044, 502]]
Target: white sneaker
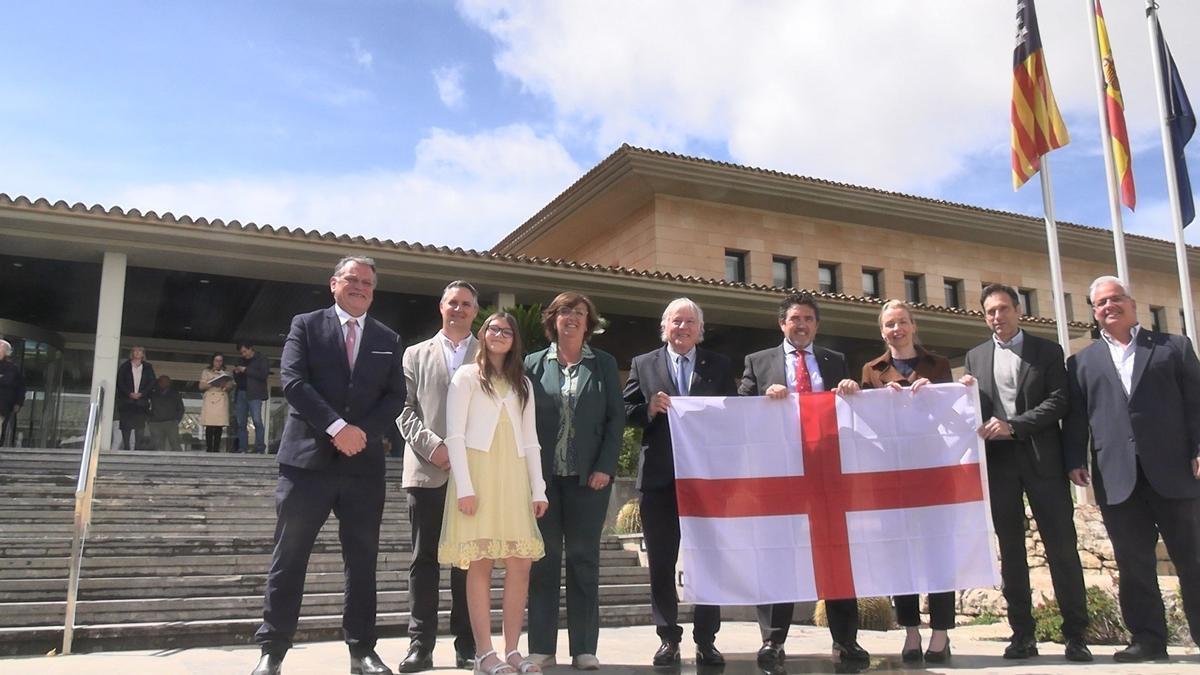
[[586, 662], [542, 660]]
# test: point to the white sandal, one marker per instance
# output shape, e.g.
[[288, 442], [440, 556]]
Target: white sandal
[[501, 668], [524, 665]]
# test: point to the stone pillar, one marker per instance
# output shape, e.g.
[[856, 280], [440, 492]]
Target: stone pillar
[[108, 339]]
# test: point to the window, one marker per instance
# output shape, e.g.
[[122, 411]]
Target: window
[[871, 284], [1158, 319], [912, 288], [827, 281], [735, 266], [781, 272], [1028, 301], [953, 291]]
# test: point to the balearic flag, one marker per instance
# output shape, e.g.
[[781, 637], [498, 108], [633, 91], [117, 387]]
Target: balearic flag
[[1181, 121], [1037, 126], [824, 496], [1115, 106]]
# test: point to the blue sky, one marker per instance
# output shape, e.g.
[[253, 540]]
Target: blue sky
[[452, 122]]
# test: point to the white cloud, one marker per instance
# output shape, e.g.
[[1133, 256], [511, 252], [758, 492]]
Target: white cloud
[[449, 85], [894, 95], [362, 57], [1153, 219], [463, 190]]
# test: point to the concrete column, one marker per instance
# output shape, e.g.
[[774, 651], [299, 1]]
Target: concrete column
[[504, 300], [108, 339]]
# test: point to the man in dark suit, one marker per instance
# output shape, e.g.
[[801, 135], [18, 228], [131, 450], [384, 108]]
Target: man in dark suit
[[678, 369], [12, 391], [1135, 394], [344, 382], [135, 380], [798, 365], [1023, 394]]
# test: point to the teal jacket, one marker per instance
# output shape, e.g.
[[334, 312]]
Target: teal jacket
[[599, 411]]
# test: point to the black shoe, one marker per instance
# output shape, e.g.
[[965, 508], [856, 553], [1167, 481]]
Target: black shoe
[[269, 664], [911, 655], [418, 659], [851, 652], [667, 654], [771, 654], [1077, 650], [1022, 647], [1140, 651], [368, 663], [708, 655], [464, 659], [938, 657]]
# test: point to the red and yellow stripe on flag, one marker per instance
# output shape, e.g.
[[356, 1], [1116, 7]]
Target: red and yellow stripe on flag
[[1115, 105], [1037, 126]]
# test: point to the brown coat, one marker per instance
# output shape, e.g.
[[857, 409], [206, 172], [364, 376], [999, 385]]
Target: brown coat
[[879, 372]]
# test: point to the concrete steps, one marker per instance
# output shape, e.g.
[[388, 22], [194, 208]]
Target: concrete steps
[[178, 552]]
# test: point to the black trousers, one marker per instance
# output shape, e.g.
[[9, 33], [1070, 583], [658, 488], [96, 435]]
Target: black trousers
[[1134, 526], [303, 501], [774, 620], [212, 438], [426, 507], [660, 527], [941, 610], [1012, 475], [133, 424]]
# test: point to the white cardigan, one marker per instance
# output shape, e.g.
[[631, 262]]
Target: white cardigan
[[471, 418]]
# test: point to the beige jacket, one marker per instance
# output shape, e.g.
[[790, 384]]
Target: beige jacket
[[422, 422]]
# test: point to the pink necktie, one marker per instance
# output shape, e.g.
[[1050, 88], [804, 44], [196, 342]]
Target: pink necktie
[[351, 340], [803, 381]]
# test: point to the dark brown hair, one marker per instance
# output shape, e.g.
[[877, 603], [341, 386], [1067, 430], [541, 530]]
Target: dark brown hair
[[569, 299], [799, 299], [513, 370]]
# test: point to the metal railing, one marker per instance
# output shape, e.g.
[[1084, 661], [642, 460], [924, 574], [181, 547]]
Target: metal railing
[[84, 489]]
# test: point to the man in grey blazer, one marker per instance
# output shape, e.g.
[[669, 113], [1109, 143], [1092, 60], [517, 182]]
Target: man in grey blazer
[[1023, 395], [428, 367], [777, 373], [1135, 394]]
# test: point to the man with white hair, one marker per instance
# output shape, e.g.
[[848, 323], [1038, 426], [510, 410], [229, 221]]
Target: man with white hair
[[1135, 394], [12, 391], [680, 368]]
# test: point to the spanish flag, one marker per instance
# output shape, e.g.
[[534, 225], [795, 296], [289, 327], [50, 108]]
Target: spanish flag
[[1115, 105], [1037, 126]]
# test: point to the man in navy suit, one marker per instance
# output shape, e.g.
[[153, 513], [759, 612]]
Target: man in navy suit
[[1135, 394], [678, 369], [344, 383], [797, 365]]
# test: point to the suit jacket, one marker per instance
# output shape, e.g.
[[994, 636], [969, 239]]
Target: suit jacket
[[422, 422], [765, 368], [320, 389], [599, 411], [649, 374], [12, 387], [881, 371], [132, 407], [1041, 399], [1156, 425], [254, 380]]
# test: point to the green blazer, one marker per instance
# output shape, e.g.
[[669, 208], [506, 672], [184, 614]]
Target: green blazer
[[599, 411]]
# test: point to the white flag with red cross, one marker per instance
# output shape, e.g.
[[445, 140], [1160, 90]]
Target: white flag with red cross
[[818, 496]]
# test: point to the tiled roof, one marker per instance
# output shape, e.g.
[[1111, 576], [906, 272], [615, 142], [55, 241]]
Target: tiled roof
[[234, 226]]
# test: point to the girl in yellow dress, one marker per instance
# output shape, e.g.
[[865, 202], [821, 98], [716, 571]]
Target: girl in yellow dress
[[497, 490]]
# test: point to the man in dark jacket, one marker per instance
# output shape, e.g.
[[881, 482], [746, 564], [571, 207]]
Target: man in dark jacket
[[251, 378], [166, 411], [12, 391], [135, 379]]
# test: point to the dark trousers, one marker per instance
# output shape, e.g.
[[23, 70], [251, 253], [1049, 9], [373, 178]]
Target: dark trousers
[[573, 523], [1012, 474], [1134, 526], [425, 509], [941, 610], [660, 527], [303, 501], [775, 620], [212, 438], [134, 425]]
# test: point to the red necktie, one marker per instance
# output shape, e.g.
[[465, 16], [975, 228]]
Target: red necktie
[[351, 340], [803, 381]]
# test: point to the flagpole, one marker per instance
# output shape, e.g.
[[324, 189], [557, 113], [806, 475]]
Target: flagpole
[[1114, 197], [1181, 259], [1056, 282]]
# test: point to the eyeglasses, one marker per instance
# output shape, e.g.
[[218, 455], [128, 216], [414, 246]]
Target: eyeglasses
[[570, 311], [498, 331]]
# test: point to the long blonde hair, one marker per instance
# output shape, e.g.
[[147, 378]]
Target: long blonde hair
[[512, 370]]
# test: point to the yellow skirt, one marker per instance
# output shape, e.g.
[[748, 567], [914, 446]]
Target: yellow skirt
[[503, 525]]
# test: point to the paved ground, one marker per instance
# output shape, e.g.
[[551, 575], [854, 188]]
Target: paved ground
[[623, 651]]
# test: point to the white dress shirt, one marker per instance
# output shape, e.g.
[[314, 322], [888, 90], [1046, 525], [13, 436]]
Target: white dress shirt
[[454, 353], [814, 373], [344, 318], [673, 364], [1122, 355]]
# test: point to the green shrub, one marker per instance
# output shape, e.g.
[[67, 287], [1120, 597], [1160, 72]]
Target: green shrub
[[529, 323], [1105, 626], [629, 518], [631, 448], [985, 619]]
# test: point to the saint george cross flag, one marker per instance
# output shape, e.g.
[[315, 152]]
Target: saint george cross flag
[[881, 492]]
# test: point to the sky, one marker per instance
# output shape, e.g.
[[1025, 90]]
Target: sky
[[451, 123]]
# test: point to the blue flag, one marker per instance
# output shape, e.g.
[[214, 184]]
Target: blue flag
[[1181, 122]]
